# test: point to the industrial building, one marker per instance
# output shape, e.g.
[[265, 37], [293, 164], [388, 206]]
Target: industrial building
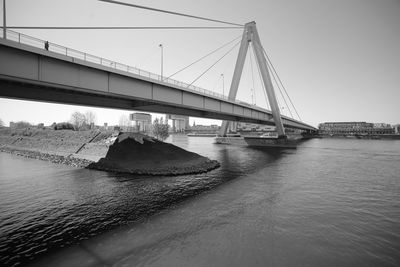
[[142, 122]]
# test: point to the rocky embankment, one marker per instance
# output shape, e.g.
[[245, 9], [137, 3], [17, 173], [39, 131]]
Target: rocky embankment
[[77, 149], [66, 160], [108, 151]]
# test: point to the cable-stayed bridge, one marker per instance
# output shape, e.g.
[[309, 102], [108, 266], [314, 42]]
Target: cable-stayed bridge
[[39, 70]]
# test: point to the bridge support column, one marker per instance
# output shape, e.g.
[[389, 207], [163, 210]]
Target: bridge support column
[[237, 74], [250, 34], [262, 63]]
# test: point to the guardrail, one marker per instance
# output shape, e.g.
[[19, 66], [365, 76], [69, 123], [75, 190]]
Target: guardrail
[[59, 49]]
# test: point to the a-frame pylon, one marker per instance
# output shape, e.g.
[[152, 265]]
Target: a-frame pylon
[[250, 34]]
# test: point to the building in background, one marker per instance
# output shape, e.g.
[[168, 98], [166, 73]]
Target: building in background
[[355, 129], [204, 129], [180, 124], [396, 129], [142, 122], [233, 127], [251, 127]]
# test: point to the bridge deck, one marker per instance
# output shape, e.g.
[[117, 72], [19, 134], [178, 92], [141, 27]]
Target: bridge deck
[[33, 73]]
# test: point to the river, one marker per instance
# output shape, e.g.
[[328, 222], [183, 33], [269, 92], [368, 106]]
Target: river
[[331, 202]]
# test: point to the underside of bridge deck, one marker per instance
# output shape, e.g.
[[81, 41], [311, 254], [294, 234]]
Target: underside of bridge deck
[[28, 91]]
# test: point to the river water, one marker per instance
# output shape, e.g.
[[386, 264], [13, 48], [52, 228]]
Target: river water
[[331, 202]]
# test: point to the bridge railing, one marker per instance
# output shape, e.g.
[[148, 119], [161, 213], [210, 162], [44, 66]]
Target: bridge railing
[[59, 49]]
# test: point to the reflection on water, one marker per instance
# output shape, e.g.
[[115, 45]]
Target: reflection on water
[[330, 202]]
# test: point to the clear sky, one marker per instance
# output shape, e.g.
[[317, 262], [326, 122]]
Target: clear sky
[[338, 59]]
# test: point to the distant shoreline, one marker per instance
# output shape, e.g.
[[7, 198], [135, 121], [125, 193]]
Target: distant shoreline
[[366, 137]]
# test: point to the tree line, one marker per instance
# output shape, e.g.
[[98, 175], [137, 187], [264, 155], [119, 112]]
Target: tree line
[[82, 121]]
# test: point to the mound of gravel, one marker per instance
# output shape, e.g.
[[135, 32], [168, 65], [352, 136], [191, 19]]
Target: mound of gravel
[[139, 154]]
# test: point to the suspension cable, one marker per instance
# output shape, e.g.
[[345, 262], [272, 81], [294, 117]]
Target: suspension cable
[[120, 27], [277, 98], [170, 12], [210, 53], [273, 68], [226, 66], [280, 91], [230, 50], [263, 87], [216, 83], [252, 73]]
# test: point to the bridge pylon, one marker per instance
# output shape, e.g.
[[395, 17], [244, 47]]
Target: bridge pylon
[[250, 34]]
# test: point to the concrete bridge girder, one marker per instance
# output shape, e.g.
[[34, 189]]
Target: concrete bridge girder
[[34, 74]]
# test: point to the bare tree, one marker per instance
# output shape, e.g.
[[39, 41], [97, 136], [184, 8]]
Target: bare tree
[[78, 119], [90, 117], [21, 125]]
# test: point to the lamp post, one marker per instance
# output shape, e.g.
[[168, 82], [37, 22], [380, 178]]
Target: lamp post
[[223, 84], [162, 58], [4, 20]]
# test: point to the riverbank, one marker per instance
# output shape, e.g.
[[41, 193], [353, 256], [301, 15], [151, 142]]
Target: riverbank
[[57, 159], [77, 149], [107, 151], [368, 137]]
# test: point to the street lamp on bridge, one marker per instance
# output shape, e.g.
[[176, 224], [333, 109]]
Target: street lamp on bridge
[[162, 59], [223, 84], [4, 20]]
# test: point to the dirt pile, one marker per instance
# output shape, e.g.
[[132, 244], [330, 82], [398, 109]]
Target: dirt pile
[[140, 154]]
